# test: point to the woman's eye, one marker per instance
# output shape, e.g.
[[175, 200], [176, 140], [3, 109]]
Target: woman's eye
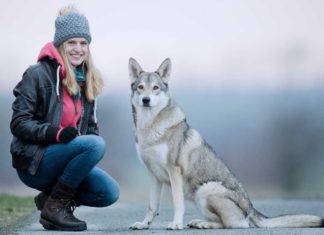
[[156, 88]]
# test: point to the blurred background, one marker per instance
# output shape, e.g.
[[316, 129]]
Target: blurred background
[[248, 74]]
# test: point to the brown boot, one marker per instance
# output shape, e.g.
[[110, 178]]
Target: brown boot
[[57, 213], [40, 200]]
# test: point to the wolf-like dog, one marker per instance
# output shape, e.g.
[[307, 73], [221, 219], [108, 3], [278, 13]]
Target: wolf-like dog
[[176, 155]]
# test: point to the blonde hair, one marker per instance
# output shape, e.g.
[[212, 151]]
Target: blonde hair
[[94, 82]]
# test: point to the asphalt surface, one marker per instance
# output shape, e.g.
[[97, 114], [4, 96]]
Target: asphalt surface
[[116, 219]]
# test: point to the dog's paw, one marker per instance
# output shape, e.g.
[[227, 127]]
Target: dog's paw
[[195, 223], [139, 226], [200, 224], [175, 226]]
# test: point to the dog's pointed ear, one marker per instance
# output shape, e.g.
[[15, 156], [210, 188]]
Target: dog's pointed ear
[[134, 69], [165, 70]]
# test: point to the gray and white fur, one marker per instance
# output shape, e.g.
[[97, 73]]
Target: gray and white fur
[[176, 155]]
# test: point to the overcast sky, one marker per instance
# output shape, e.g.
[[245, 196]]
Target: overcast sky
[[213, 44]]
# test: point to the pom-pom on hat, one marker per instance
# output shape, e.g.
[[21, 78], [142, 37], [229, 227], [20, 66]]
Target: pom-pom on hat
[[70, 24]]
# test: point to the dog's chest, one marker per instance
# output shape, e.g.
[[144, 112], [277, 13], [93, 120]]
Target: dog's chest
[[155, 158]]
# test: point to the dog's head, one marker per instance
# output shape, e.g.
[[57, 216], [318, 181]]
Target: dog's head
[[149, 89]]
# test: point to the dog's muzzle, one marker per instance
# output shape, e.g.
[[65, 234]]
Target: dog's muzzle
[[146, 101]]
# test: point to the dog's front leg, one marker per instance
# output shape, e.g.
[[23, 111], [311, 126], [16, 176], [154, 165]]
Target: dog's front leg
[[178, 197], [155, 194]]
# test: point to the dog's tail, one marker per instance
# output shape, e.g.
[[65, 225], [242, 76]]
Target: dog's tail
[[285, 221]]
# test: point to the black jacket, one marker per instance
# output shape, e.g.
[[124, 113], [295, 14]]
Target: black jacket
[[35, 108]]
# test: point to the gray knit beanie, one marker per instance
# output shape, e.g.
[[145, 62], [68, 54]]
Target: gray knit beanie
[[72, 25]]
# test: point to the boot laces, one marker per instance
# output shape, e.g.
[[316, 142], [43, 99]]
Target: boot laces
[[70, 208]]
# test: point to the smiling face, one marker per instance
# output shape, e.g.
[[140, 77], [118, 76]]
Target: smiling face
[[77, 50]]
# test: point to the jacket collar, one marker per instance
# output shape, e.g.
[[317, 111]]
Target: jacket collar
[[51, 52]]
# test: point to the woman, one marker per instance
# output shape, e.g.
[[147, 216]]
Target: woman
[[56, 146]]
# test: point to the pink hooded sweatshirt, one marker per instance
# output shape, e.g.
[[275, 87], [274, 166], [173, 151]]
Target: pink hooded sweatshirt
[[71, 108]]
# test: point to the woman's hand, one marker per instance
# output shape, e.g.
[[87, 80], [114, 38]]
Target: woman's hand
[[67, 134]]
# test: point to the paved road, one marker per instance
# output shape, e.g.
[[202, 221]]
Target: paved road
[[117, 218]]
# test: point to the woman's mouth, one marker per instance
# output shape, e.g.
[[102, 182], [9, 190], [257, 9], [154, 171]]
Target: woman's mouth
[[76, 56]]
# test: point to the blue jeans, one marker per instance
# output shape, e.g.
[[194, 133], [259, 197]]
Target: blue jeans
[[74, 164]]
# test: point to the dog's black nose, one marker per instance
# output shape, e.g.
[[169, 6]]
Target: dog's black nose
[[146, 100]]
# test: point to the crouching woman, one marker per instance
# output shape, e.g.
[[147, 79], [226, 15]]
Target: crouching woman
[[56, 144]]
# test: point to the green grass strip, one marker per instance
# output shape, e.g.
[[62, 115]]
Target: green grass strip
[[14, 210]]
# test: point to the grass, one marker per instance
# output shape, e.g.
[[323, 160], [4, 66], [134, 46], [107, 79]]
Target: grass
[[14, 210]]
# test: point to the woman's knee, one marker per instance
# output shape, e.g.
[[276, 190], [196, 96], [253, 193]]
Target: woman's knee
[[112, 194], [95, 145], [109, 195], [100, 189]]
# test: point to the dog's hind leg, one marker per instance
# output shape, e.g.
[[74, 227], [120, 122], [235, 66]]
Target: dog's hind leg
[[212, 219], [230, 214], [219, 210]]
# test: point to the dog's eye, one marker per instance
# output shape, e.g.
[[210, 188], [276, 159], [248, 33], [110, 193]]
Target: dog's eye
[[140, 87], [156, 88]]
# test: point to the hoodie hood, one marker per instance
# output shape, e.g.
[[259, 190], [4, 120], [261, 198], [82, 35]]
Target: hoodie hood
[[50, 51]]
